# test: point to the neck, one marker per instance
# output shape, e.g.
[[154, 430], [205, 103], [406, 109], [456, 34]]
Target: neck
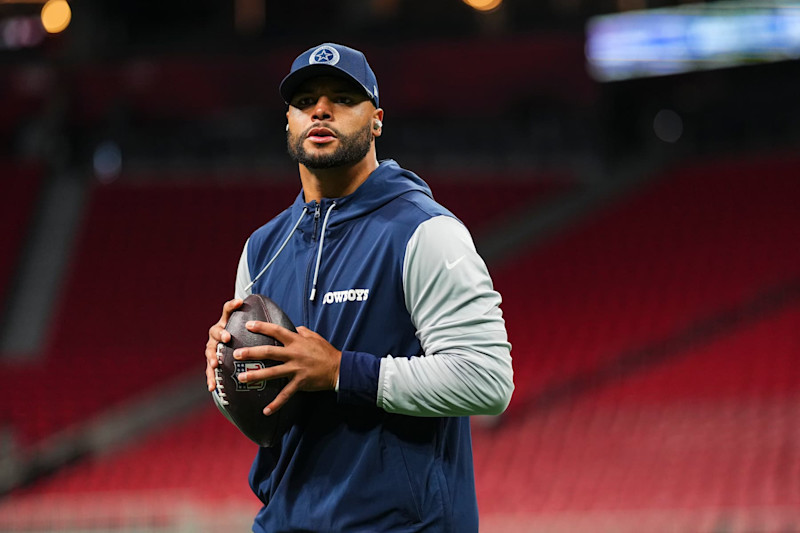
[[336, 182]]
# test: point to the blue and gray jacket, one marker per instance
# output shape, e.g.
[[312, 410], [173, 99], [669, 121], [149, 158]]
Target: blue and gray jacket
[[392, 279]]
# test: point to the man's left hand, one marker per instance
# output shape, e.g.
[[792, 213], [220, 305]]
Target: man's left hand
[[310, 362]]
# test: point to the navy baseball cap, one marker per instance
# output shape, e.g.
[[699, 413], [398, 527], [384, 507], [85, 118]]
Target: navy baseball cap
[[330, 59]]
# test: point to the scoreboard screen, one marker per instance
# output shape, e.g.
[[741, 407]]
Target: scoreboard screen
[[690, 37]]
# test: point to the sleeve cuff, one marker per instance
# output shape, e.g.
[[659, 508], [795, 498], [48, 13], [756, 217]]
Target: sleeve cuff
[[358, 378]]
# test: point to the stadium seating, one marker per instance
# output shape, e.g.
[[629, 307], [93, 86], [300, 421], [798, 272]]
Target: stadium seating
[[21, 185], [143, 251], [654, 348], [655, 357], [143, 248], [704, 434], [694, 243], [681, 444], [148, 246]]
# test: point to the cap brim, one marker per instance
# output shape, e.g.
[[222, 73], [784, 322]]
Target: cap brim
[[291, 82]]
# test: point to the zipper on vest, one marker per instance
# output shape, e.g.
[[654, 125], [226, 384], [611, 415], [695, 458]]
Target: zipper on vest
[[317, 215], [310, 266]]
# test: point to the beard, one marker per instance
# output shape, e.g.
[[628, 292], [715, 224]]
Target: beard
[[352, 149]]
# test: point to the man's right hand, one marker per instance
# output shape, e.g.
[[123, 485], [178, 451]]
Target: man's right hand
[[217, 334]]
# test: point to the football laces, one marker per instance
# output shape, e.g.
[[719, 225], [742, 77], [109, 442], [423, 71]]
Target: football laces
[[223, 397]]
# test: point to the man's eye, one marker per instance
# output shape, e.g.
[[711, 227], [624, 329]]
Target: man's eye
[[344, 100], [301, 101]]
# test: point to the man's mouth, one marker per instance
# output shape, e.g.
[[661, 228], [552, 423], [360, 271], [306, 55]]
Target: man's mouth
[[320, 135]]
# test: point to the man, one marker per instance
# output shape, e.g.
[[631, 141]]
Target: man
[[400, 333]]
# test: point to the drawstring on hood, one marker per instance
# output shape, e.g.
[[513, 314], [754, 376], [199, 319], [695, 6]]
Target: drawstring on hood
[[286, 241], [274, 257], [319, 251]]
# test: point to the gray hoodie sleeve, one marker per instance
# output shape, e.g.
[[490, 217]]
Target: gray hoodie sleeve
[[243, 276], [466, 366]]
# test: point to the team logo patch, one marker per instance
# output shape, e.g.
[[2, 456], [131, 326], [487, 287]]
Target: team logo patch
[[324, 54], [248, 366], [349, 295]]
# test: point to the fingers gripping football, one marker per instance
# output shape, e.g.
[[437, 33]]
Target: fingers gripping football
[[216, 335], [310, 362]]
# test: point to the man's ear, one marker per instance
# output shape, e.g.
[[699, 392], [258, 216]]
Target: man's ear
[[377, 122]]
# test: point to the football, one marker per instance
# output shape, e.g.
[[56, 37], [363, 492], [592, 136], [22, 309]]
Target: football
[[243, 403]]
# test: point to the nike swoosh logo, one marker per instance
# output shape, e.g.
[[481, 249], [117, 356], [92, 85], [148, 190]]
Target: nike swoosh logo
[[451, 265]]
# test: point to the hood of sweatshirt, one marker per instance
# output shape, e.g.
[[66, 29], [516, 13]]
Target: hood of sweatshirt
[[383, 185]]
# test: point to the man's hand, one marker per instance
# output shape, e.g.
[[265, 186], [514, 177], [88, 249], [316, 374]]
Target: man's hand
[[217, 334], [310, 362]]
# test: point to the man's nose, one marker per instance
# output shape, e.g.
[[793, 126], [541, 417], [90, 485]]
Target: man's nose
[[322, 110]]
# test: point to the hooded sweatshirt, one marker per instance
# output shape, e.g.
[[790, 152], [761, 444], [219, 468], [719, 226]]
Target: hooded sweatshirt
[[392, 279]]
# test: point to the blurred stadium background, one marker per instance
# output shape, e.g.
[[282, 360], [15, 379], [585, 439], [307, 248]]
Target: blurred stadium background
[[629, 169]]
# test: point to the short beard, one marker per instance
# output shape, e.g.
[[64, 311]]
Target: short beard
[[351, 150]]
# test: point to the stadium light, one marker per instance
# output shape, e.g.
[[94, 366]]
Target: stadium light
[[483, 5], [56, 16]]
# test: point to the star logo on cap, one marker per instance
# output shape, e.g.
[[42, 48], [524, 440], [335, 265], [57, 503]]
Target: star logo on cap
[[324, 54]]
